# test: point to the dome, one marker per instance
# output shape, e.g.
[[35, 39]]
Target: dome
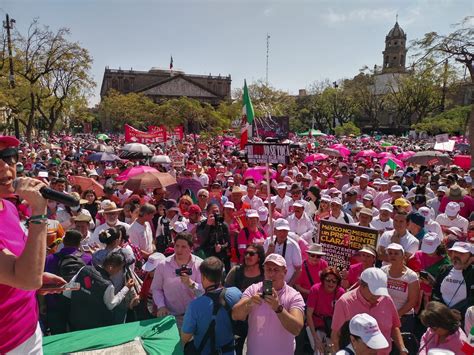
[[396, 31]]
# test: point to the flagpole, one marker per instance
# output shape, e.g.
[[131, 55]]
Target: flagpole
[[270, 209]]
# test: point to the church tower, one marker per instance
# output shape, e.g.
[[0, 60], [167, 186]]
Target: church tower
[[394, 55]]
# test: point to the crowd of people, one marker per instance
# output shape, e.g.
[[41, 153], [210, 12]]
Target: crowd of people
[[235, 255]]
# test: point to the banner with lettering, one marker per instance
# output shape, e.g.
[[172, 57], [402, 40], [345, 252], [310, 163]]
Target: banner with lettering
[[133, 135], [342, 241]]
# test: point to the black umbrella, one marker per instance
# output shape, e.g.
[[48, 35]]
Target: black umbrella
[[429, 157]]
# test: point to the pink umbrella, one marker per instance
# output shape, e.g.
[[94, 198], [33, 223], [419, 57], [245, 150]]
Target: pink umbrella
[[227, 143], [405, 155], [386, 155], [341, 149], [395, 160], [134, 171], [315, 157], [258, 173], [366, 154]]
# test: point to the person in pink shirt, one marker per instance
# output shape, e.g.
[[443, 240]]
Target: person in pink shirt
[[311, 269], [367, 256], [444, 330], [274, 320], [457, 194], [370, 297], [21, 257], [250, 234], [321, 300]]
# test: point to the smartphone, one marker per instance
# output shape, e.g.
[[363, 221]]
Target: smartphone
[[267, 288], [86, 248], [184, 270], [71, 286], [424, 274]]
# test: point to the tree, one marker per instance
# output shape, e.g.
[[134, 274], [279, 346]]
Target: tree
[[453, 121], [458, 45], [347, 129]]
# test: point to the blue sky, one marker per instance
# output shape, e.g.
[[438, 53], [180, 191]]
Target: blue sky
[[310, 40]]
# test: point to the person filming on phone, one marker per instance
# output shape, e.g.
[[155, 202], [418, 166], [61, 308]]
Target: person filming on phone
[[21, 257], [274, 310]]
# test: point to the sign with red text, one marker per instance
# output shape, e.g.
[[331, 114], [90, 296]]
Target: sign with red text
[[133, 135]]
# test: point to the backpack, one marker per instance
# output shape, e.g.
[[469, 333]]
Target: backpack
[[69, 265]]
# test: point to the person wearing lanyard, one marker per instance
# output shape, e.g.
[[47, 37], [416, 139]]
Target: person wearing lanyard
[[286, 247]]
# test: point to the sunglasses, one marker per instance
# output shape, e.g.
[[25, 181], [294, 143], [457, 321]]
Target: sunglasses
[[331, 281], [314, 256], [250, 253], [9, 156]]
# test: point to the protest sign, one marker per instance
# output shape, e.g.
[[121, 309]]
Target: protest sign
[[442, 138], [177, 159], [272, 127], [133, 135], [258, 153], [342, 241], [445, 146]]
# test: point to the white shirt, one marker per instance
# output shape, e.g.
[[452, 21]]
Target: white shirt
[[453, 288], [304, 227], [409, 243], [434, 227], [102, 227], [141, 235], [460, 222], [398, 287], [280, 202], [340, 218], [382, 226], [254, 202], [434, 205], [203, 179], [288, 207], [124, 196], [292, 254]]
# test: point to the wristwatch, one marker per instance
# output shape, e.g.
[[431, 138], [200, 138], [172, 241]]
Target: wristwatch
[[404, 350], [279, 309]]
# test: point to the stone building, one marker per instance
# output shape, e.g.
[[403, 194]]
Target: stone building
[[163, 84]]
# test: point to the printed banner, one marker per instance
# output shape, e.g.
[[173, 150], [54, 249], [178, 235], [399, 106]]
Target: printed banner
[[272, 127], [258, 153], [133, 135], [176, 133], [342, 241]]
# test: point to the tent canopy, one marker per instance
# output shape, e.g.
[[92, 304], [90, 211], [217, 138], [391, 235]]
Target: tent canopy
[[313, 132]]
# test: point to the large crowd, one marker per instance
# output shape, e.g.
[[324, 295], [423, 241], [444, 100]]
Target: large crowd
[[233, 253]]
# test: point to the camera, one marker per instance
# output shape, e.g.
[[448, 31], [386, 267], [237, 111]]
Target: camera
[[218, 218], [184, 270]]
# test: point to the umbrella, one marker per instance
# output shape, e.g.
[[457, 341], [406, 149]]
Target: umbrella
[[175, 191], [134, 171], [258, 173], [87, 184], [462, 147], [429, 157], [341, 149], [102, 156], [227, 143], [405, 155], [395, 160], [331, 152], [160, 159], [135, 151], [386, 155], [150, 180], [315, 157], [103, 137], [96, 147], [369, 153]]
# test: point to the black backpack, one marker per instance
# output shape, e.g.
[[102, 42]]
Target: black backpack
[[69, 265]]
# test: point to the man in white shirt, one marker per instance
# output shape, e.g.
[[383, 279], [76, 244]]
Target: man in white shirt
[[300, 223], [140, 231], [201, 176], [111, 213], [286, 247], [383, 222], [281, 199], [452, 218], [434, 203], [251, 199], [296, 195], [399, 235], [431, 225], [337, 215]]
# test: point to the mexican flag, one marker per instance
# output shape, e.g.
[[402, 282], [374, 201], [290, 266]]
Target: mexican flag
[[390, 164], [247, 118]]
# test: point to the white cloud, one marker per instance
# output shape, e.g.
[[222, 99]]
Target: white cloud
[[334, 17]]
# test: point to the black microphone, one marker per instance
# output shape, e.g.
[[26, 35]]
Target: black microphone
[[50, 194]]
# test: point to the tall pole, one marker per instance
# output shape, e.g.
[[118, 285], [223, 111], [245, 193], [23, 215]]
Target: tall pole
[[335, 110], [8, 25], [268, 50], [445, 83]]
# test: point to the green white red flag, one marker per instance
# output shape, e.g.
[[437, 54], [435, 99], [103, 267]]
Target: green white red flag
[[390, 164], [248, 115]]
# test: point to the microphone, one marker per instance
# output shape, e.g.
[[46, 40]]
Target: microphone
[[50, 194]]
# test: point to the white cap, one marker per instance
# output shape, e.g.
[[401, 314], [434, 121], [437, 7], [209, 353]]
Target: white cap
[[368, 197], [282, 185], [366, 327], [376, 279], [468, 179], [252, 214], [298, 203], [399, 173], [229, 204], [396, 188], [425, 212], [387, 207], [282, 224], [179, 227], [443, 189], [440, 352], [336, 200], [153, 261], [231, 179], [430, 243], [395, 246], [326, 198], [452, 209], [461, 247], [276, 259], [364, 176], [262, 213]]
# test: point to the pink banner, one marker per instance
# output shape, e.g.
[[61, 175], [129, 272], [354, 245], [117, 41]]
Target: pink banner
[[136, 136]]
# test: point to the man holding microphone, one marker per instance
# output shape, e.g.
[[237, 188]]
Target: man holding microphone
[[22, 258]]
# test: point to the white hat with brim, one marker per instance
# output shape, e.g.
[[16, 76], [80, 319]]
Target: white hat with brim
[[376, 279], [430, 243], [366, 327], [153, 261], [282, 224], [252, 214], [461, 247], [277, 259]]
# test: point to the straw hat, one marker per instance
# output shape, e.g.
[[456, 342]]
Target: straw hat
[[108, 206]]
